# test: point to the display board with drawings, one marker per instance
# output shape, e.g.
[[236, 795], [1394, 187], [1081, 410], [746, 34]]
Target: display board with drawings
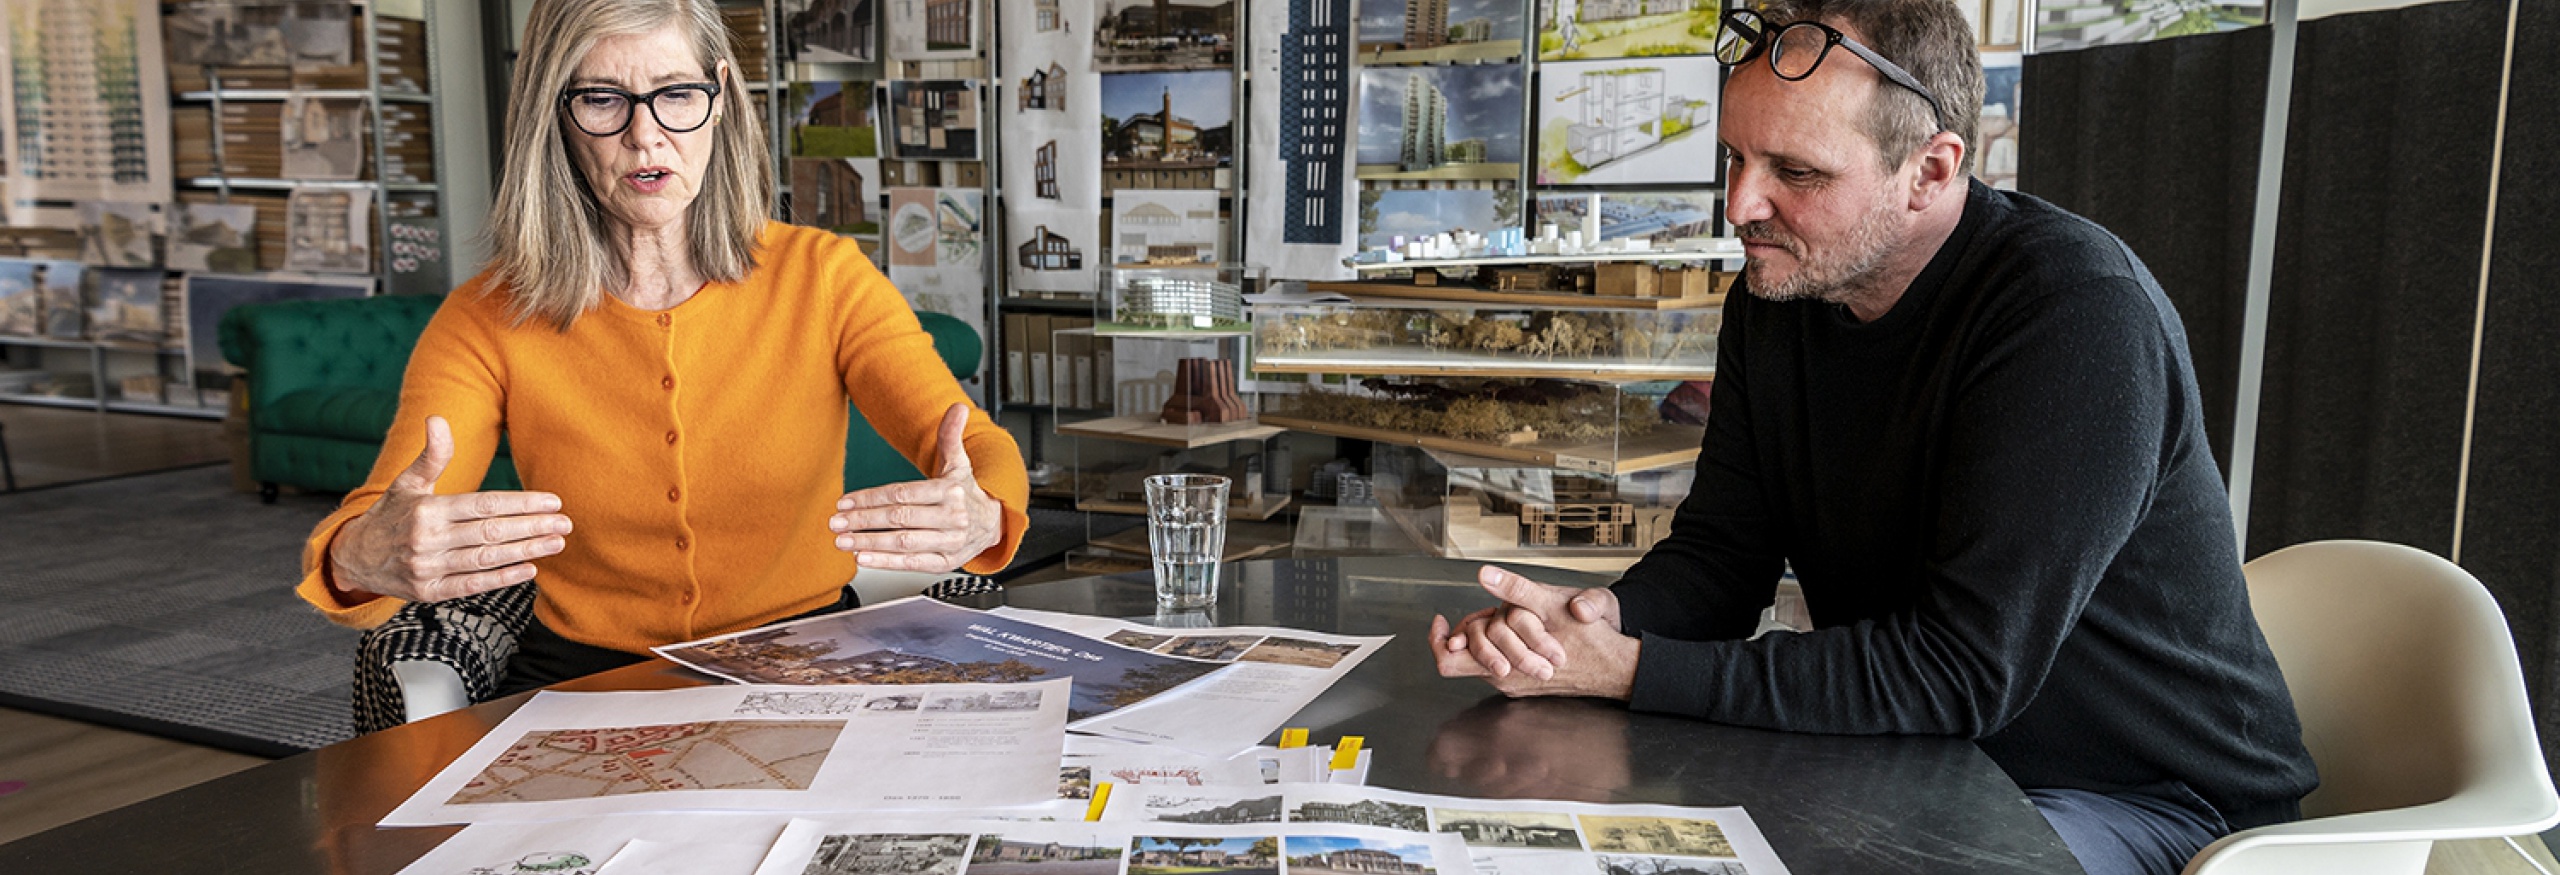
[[1052, 121]]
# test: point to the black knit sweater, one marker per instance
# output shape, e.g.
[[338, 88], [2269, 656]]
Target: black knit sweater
[[2007, 523]]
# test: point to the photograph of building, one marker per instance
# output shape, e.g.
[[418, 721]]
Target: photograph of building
[[1440, 123], [1333, 855], [1368, 812], [1044, 170], [888, 854], [1167, 130], [1164, 34], [836, 194], [832, 120], [1570, 30], [949, 24], [997, 856], [1659, 217], [833, 31], [1440, 31], [1511, 829], [1198, 856], [1628, 122], [1387, 214]]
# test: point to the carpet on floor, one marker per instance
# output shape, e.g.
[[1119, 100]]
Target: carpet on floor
[[163, 603]]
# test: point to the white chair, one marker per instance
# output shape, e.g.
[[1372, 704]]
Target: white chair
[[2412, 704]]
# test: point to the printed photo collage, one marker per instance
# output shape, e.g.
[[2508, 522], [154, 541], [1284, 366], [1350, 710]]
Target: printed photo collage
[[1502, 837]]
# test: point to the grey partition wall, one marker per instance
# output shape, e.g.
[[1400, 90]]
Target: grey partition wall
[[2158, 142], [2411, 370], [2510, 535]]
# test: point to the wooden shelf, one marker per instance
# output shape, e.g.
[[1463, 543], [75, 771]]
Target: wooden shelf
[[1725, 249], [1150, 430], [1472, 295], [1667, 446], [1263, 507]]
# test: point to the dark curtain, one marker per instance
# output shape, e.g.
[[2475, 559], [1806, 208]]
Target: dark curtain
[[2158, 142], [2511, 522], [2377, 270]]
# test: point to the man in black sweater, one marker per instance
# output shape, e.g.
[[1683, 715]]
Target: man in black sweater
[[1968, 420]]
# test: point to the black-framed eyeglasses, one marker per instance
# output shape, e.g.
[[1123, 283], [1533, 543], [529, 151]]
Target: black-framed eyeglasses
[[1795, 49], [604, 111]]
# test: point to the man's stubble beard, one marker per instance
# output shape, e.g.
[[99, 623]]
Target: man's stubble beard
[[1840, 282]]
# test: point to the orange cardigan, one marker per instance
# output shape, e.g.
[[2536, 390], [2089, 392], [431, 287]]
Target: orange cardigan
[[698, 451]]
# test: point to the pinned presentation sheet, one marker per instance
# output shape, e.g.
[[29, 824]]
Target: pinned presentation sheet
[[756, 748]]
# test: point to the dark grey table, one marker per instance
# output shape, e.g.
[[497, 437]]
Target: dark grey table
[[1829, 804]]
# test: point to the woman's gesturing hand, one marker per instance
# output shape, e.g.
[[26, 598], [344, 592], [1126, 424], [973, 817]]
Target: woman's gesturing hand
[[424, 547], [924, 525]]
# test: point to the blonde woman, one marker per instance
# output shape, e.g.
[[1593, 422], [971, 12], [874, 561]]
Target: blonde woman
[[670, 369]]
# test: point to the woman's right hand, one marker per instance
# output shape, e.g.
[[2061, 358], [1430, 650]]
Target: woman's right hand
[[423, 547]]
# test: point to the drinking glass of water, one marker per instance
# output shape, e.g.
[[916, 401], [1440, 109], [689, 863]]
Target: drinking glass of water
[[1187, 532]]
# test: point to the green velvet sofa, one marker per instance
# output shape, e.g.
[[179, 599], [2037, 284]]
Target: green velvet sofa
[[324, 384]]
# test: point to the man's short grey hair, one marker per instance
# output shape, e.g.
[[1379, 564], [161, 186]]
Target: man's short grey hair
[[1932, 41]]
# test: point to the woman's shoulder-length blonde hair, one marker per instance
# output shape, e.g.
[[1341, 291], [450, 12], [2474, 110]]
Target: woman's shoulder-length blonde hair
[[548, 238]]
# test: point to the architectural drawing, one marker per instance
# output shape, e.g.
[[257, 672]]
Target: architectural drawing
[[1315, 89], [935, 119], [91, 101], [1044, 170], [1440, 123], [1049, 251], [1045, 17], [1594, 29], [1165, 228], [1648, 122], [2063, 25], [711, 755], [21, 307], [1044, 89]]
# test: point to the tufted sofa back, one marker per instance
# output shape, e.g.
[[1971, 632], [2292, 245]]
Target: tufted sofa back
[[350, 343]]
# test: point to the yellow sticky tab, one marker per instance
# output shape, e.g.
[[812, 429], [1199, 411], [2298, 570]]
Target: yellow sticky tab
[[1346, 753], [1292, 738], [1101, 798]]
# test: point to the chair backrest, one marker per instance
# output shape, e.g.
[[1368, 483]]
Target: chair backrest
[[870, 461], [2404, 674]]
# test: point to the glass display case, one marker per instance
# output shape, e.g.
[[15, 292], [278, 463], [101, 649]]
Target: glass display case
[[1471, 507], [1201, 299], [1400, 337], [1591, 427], [1132, 406]]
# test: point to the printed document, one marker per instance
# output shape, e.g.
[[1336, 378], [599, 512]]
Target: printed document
[[756, 748]]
